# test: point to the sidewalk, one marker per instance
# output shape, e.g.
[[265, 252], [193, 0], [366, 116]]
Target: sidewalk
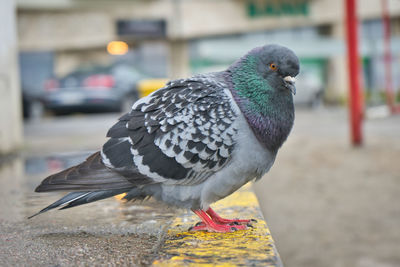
[[329, 204]]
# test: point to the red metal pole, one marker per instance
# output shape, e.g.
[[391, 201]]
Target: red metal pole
[[390, 96], [387, 55], [354, 73]]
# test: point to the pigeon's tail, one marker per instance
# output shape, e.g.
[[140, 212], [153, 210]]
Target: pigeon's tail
[[90, 175], [79, 198], [90, 181]]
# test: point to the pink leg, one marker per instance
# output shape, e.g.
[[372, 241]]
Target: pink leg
[[211, 226], [216, 218]]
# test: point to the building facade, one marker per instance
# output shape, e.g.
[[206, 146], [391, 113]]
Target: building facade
[[175, 38]]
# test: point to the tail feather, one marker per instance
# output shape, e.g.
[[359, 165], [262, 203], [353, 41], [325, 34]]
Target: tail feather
[[91, 181], [94, 196], [62, 201], [90, 175], [74, 199]]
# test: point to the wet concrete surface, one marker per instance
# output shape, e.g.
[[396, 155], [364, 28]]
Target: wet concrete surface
[[101, 233], [107, 231]]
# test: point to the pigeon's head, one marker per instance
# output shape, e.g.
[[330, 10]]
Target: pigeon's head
[[278, 65], [262, 83]]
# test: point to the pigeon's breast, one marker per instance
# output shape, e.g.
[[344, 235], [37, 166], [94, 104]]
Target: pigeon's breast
[[250, 161]]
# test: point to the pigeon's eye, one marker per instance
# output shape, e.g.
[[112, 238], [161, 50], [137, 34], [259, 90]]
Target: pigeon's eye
[[273, 66]]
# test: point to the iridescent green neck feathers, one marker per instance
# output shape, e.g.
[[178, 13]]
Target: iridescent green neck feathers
[[268, 110]]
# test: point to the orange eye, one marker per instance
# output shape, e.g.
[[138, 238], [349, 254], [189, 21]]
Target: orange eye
[[273, 66]]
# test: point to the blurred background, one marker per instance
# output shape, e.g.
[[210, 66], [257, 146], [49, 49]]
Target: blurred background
[[68, 68]]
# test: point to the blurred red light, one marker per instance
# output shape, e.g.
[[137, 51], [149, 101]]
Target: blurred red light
[[51, 85], [99, 81]]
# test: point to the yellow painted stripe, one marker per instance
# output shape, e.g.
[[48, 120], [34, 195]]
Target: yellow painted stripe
[[252, 247]]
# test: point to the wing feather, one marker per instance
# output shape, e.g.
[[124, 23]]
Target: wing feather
[[180, 134]]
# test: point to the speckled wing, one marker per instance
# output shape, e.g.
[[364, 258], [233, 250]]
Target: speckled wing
[[181, 134]]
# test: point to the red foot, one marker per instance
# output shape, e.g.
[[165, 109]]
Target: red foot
[[214, 223], [216, 218]]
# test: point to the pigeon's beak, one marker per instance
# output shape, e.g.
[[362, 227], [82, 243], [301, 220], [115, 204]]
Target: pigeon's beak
[[289, 82]]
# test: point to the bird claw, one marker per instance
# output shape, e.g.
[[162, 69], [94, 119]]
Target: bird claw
[[199, 223], [235, 221], [218, 228], [212, 222]]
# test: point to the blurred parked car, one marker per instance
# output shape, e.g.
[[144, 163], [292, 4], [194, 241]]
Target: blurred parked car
[[94, 89]]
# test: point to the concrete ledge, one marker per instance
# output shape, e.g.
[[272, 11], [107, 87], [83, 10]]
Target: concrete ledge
[[253, 247], [114, 232]]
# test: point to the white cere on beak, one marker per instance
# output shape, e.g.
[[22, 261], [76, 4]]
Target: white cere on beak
[[290, 79]]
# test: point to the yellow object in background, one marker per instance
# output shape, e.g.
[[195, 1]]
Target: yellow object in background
[[147, 86]]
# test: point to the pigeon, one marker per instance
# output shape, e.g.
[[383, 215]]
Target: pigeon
[[194, 141]]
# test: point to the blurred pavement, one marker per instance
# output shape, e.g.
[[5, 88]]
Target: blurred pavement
[[328, 204]]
